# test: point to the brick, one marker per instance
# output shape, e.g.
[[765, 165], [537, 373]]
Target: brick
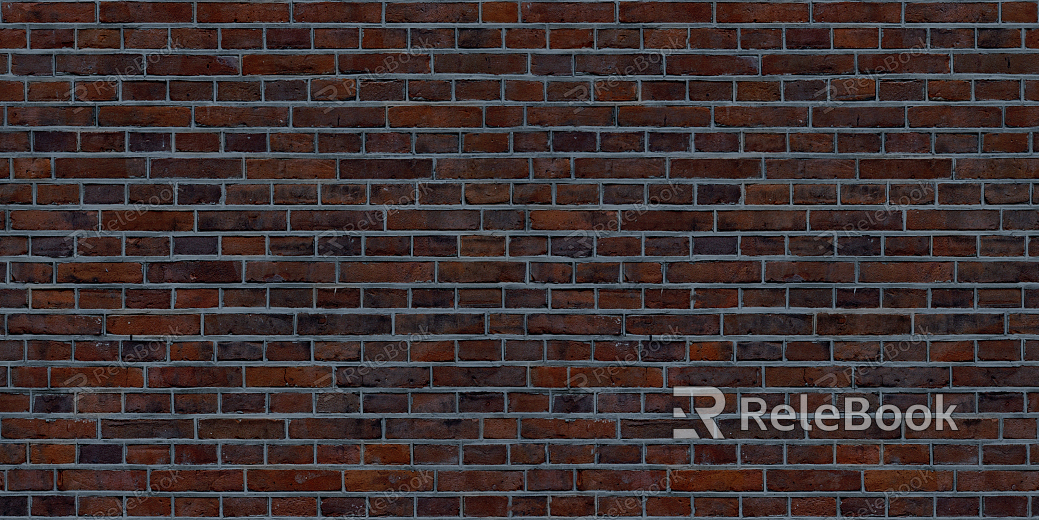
[[99, 168], [807, 64], [856, 12], [192, 65], [242, 12], [43, 429], [145, 12], [241, 429], [905, 168], [789, 480], [430, 116], [665, 12], [276, 480], [565, 12], [241, 116], [48, 12], [53, 324], [288, 64], [938, 13], [718, 480], [482, 63], [711, 65]]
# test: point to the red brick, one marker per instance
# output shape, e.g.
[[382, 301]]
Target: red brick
[[48, 12]]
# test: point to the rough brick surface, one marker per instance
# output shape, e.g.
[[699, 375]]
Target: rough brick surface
[[443, 259]]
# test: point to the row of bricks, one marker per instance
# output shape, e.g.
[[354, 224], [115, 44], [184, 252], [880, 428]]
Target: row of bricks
[[514, 169], [448, 298], [476, 246], [699, 324], [420, 40], [503, 142], [439, 116], [520, 272], [588, 220], [565, 402], [520, 63], [157, 406], [515, 12], [146, 196], [489, 428], [392, 454], [608, 352], [850, 89], [247, 406], [696, 480], [440, 506], [487, 403], [607, 375], [654, 298]]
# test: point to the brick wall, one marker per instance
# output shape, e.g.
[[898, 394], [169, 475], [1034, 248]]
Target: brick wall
[[327, 259]]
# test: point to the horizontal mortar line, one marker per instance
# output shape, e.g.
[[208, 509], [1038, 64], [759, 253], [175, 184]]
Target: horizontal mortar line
[[557, 286], [417, 50], [372, 416], [558, 234], [379, 348], [894, 207], [507, 337], [821, 103], [723, 311], [644, 156]]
